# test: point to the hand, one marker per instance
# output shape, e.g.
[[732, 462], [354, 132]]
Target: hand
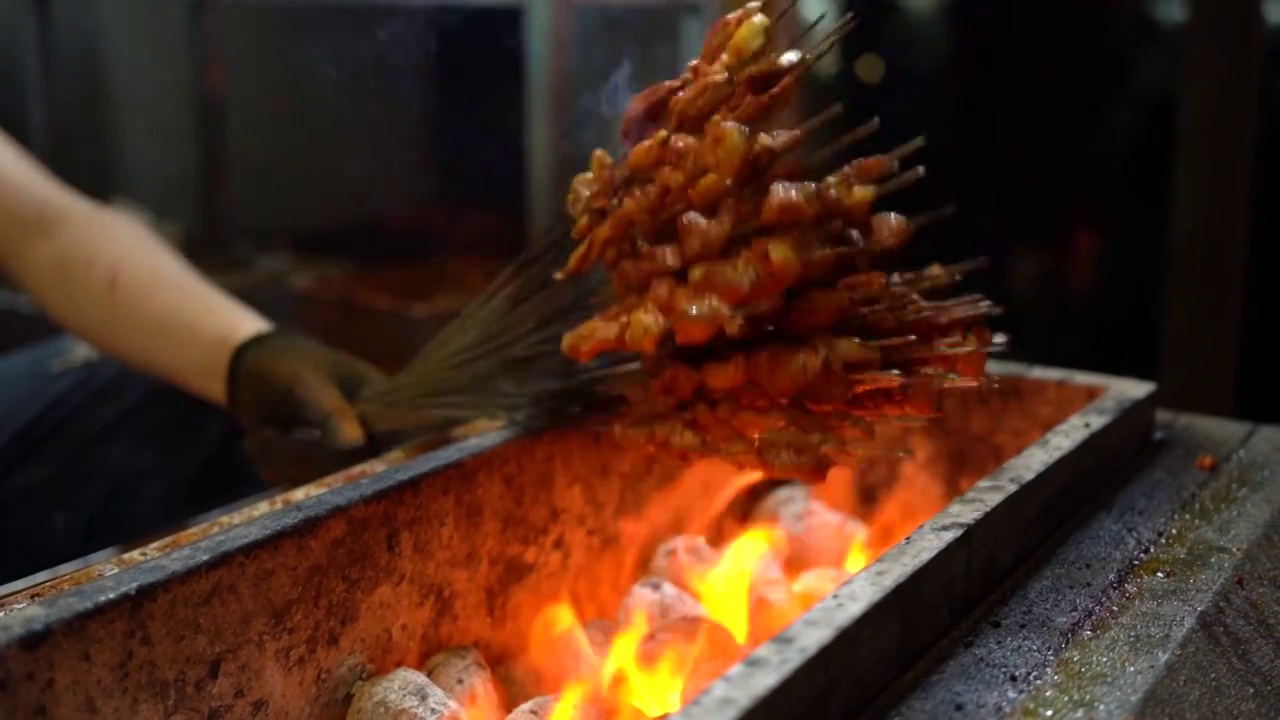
[[294, 397]]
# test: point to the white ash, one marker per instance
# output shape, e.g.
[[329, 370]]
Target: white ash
[[818, 535], [463, 673], [402, 694], [658, 600], [682, 558]]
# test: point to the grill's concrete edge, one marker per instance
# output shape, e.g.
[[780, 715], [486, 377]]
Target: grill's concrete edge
[[1160, 604], [852, 645], [1191, 631]]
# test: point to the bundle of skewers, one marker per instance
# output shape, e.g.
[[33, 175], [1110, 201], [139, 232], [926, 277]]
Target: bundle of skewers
[[744, 272], [498, 359], [746, 280]]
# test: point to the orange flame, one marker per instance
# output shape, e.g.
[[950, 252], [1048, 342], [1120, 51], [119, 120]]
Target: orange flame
[[743, 588], [563, 653], [725, 590], [571, 704], [858, 557], [655, 687], [640, 677]]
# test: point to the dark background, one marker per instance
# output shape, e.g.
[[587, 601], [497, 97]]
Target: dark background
[[383, 140]]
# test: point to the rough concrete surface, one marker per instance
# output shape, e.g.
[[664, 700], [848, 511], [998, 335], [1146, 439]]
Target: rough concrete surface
[[1165, 603]]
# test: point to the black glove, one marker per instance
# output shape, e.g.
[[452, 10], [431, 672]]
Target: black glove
[[293, 396]]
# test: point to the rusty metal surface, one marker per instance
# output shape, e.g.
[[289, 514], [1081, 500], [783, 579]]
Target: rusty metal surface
[[838, 657], [277, 616]]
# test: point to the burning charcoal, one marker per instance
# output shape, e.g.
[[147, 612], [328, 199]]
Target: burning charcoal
[[683, 557], [705, 649], [768, 573], [561, 648], [542, 708], [600, 634], [659, 600], [773, 605], [817, 534], [517, 682], [463, 673], [716, 576], [816, 583], [402, 694], [539, 708]]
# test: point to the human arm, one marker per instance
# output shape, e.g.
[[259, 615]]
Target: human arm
[[107, 277]]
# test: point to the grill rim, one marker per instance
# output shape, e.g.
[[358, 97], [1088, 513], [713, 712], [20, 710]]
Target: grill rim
[[30, 623]]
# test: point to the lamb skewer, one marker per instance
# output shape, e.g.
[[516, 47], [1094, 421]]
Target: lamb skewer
[[754, 294]]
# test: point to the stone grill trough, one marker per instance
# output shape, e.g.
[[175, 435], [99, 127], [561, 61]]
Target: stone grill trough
[[279, 614]]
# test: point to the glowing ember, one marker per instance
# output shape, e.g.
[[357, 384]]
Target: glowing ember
[[572, 704], [477, 709], [702, 611], [725, 591], [654, 688], [858, 557], [564, 651]]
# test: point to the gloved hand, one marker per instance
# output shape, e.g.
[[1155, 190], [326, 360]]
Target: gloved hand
[[293, 396]]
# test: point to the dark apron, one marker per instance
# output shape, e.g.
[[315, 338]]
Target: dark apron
[[93, 455]]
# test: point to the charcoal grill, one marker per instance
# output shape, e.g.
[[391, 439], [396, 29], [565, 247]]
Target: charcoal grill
[[278, 612]]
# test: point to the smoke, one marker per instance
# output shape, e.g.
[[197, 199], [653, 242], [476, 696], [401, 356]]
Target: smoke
[[598, 112], [612, 99]]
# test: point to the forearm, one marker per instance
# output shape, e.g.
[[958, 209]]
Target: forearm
[[105, 276], [108, 277]]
